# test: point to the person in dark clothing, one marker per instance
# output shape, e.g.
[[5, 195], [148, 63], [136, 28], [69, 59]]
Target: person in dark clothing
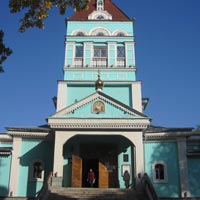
[[126, 179], [91, 178]]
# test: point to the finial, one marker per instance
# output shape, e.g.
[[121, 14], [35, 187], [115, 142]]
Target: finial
[[99, 83]]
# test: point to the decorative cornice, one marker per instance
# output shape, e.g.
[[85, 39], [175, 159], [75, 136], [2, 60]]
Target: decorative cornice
[[57, 123], [28, 134], [5, 138], [28, 131], [165, 135], [5, 153]]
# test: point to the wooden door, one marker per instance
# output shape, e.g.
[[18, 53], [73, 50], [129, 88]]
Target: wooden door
[[103, 176], [76, 171]]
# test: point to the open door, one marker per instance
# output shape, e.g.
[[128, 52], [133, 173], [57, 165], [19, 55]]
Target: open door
[[76, 171], [103, 176]]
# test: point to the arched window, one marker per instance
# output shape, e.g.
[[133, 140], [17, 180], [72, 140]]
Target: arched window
[[159, 172], [80, 33], [100, 34], [100, 17], [37, 170], [120, 34]]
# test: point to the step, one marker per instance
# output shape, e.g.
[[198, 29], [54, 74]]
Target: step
[[95, 194]]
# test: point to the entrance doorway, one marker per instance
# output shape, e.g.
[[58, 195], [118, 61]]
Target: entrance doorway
[[87, 165]]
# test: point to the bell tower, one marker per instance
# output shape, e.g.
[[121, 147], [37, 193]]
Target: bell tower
[[104, 106]]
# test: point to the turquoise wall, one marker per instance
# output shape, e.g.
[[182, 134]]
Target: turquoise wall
[[193, 174], [33, 150], [91, 75], [166, 152], [120, 92], [110, 112], [5, 162], [110, 25]]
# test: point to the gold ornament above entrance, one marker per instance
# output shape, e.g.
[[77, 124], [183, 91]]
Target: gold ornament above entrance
[[98, 107]]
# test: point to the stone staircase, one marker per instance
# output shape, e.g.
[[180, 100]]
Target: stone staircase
[[94, 194]]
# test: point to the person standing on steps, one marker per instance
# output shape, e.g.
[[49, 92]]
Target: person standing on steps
[[91, 178]]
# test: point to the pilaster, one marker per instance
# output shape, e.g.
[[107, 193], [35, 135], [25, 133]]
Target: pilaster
[[61, 96], [137, 96], [14, 173], [183, 169]]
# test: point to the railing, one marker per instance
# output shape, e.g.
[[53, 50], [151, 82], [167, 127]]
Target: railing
[[78, 62], [100, 62], [148, 188], [45, 190], [121, 62]]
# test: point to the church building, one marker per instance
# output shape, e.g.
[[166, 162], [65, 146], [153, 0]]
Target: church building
[[100, 122]]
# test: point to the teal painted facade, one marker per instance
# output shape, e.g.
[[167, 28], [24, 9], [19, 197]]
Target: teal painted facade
[[78, 92], [166, 152], [31, 151], [119, 136], [111, 112], [91, 75], [5, 163], [193, 172], [91, 25]]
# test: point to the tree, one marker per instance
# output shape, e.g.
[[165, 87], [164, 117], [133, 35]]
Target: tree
[[34, 13], [4, 51]]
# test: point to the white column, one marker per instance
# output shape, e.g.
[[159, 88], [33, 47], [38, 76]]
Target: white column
[[183, 169], [14, 173], [137, 139], [61, 138]]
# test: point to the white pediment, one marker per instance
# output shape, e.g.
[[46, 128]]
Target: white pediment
[[98, 111]]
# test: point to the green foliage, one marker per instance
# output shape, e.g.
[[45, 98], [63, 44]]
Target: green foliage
[[35, 11], [4, 51]]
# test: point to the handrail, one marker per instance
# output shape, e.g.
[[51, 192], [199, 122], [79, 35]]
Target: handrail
[[148, 187], [45, 190]]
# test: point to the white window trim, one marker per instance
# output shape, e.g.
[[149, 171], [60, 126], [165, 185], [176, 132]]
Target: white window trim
[[79, 30], [31, 178], [96, 30], [114, 33], [94, 15], [165, 180]]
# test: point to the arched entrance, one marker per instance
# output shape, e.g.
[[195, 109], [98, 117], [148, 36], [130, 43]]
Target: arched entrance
[[107, 155]]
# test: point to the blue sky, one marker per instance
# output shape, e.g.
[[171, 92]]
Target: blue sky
[[167, 58]]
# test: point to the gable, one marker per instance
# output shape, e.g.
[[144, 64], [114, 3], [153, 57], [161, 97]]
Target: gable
[[109, 6], [97, 106]]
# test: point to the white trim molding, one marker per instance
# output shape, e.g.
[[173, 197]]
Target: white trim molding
[[114, 33], [75, 32], [97, 13], [96, 30], [98, 123]]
